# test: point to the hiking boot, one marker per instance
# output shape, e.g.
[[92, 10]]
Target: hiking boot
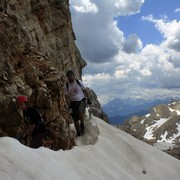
[[82, 128], [78, 134]]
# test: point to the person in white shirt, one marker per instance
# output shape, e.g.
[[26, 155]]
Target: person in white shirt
[[76, 97]]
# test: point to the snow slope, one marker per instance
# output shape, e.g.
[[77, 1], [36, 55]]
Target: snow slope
[[103, 153]]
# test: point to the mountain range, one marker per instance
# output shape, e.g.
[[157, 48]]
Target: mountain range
[[120, 110]]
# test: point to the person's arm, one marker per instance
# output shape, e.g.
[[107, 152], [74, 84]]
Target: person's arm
[[86, 93], [68, 102], [87, 96]]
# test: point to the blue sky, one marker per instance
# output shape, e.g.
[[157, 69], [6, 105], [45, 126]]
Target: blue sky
[[132, 47], [146, 31]]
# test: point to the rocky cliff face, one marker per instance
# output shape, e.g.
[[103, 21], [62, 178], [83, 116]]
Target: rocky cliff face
[[160, 128], [95, 108], [37, 48]]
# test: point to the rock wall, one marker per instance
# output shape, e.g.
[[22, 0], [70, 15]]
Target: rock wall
[[95, 107], [37, 48]]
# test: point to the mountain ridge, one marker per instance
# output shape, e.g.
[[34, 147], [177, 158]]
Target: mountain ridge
[[119, 110], [160, 126]]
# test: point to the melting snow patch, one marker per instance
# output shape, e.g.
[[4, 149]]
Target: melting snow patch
[[165, 139], [172, 110], [150, 129], [147, 115], [142, 121]]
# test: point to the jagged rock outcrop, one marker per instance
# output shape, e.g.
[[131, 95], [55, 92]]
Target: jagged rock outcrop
[[37, 48], [160, 126], [95, 107]]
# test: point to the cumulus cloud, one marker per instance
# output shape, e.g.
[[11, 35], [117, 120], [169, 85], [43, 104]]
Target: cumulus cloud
[[169, 29], [128, 7], [97, 34], [84, 6], [123, 67], [132, 45], [174, 58]]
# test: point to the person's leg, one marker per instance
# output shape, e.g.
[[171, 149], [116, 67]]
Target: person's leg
[[81, 118], [37, 140], [28, 134], [82, 108], [75, 117], [28, 141], [77, 127]]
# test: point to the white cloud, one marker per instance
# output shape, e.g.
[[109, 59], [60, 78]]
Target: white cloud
[[84, 6], [119, 73], [133, 44], [177, 10], [175, 59], [122, 67], [128, 7], [169, 29], [100, 32], [145, 72]]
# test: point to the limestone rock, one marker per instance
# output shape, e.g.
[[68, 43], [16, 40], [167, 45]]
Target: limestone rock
[[37, 48]]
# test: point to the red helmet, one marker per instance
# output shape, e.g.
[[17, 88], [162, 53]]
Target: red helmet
[[21, 99]]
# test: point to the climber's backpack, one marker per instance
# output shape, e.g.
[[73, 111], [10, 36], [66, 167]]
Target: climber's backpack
[[67, 85]]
